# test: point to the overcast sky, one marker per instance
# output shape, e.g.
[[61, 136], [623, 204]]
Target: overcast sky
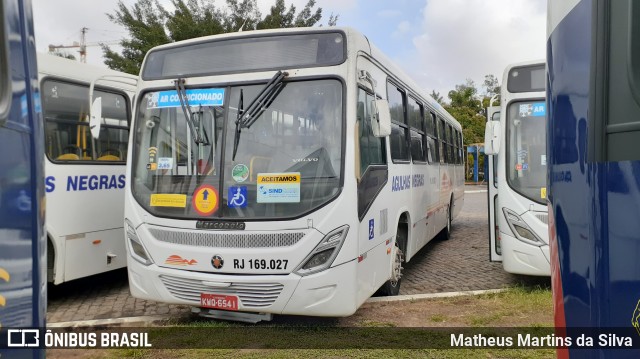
[[439, 43]]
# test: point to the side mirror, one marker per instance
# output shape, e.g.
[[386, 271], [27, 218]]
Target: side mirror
[[492, 138], [381, 119], [95, 118]]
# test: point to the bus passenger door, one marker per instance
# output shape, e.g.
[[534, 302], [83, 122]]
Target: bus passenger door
[[495, 252]]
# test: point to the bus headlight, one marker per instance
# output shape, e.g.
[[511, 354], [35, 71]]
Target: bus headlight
[[521, 229], [137, 249], [325, 252]]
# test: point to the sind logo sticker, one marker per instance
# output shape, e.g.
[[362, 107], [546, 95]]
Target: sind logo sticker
[[176, 260], [205, 200]]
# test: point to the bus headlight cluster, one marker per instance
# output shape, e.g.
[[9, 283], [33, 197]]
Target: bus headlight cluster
[[325, 252], [137, 249], [521, 229]]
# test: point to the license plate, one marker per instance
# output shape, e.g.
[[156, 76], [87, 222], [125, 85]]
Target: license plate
[[219, 301]]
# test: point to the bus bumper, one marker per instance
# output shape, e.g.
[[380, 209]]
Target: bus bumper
[[522, 258], [329, 293]]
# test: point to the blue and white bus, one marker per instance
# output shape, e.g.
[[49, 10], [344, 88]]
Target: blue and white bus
[[22, 238], [593, 95]]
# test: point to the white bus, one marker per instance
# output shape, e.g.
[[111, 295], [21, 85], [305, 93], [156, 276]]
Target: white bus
[[85, 178], [515, 139], [266, 178]]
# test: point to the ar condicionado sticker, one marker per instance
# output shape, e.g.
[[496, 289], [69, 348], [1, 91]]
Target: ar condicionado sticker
[[205, 200]]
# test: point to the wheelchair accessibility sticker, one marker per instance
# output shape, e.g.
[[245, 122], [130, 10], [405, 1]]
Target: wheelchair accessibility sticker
[[237, 197]]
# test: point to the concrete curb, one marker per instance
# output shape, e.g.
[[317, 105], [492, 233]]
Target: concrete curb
[[402, 298], [144, 321], [128, 321]]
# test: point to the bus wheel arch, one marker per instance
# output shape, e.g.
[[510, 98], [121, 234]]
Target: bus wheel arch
[[51, 259], [398, 255], [446, 231]]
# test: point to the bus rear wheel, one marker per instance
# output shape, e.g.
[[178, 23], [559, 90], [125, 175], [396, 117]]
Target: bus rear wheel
[[446, 231], [392, 286]]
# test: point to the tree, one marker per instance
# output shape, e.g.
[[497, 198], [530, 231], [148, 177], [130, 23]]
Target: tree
[[466, 107], [280, 17], [492, 88], [436, 96], [149, 24]]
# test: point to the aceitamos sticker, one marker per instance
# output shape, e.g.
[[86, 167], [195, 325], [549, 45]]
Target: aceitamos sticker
[[278, 187]]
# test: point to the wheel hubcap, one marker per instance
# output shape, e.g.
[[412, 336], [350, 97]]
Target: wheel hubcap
[[396, 270]]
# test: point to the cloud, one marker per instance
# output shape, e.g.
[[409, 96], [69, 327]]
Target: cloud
[[462, 39], [389, 13], [402, 29]]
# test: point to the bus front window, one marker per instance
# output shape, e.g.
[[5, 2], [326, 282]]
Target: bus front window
[[288, 162], [526, 149]]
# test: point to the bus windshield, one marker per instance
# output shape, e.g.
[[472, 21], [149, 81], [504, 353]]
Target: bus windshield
[[526, 149], [287, 163]]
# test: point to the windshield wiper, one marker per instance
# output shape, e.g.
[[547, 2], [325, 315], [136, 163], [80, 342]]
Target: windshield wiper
[[259, 104], [186, 109]]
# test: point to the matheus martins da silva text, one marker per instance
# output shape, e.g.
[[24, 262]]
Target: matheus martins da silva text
[[548, 341]]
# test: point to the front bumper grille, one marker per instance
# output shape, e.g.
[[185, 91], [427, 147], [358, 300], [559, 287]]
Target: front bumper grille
[[251, 295]]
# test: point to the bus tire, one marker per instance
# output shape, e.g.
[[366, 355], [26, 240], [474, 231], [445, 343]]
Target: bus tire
[[392, 286], [446, 232]]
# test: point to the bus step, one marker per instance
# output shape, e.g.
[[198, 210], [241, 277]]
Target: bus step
[[233, 316]]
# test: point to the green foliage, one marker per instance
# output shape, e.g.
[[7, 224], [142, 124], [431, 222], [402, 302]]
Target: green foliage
[[149, 24], [467, 106], [436, 96], [492, 88]]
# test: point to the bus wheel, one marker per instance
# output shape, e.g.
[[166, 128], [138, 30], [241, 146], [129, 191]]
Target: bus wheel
[[446, 232], [392, 286]]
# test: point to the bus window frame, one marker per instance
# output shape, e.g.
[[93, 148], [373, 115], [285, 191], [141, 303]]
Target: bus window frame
[[96, 88], [420, 131], [403, 125], [507, 133]]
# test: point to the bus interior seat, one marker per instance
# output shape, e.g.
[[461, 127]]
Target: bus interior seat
[[68, 157], [108, 158]]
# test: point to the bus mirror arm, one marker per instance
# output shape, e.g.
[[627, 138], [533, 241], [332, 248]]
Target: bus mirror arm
[[95, 117], [381, 119]]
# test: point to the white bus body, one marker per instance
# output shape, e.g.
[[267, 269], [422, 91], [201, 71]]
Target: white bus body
[[85, 177], [518, 218], [315, 213]]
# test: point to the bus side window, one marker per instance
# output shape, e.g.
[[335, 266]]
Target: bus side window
[[444, 158], [399, 128], [434, 151], [372, 149], [414, 109], [452, 155], [114, 132], [621, 105]]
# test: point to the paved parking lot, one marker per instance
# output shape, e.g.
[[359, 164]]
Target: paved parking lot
[[459, 264]]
